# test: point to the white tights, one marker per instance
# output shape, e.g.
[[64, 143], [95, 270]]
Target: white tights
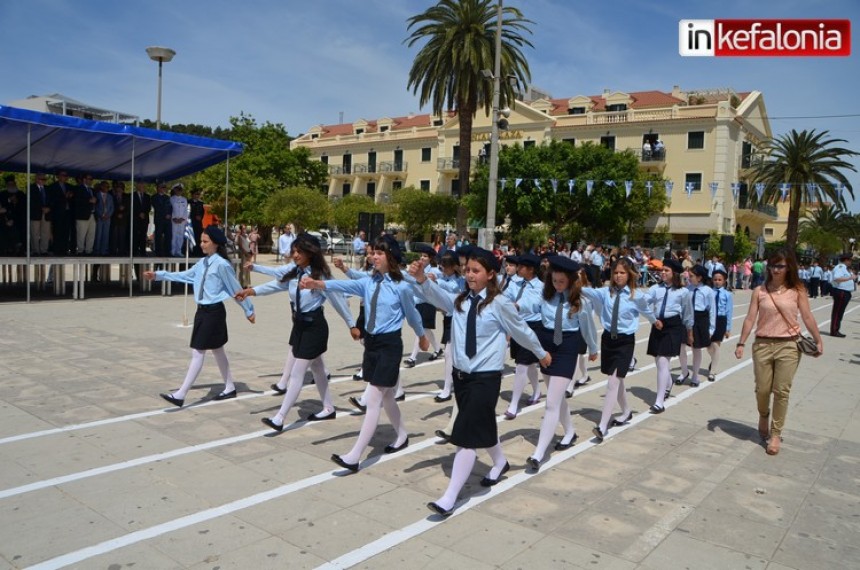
[[464, 462], [433, 344], [557, 411], [297, 369], [197, 357], [449, 372], [664, 378], [581, 368], [615, 392], [524, 373], [714, 351], [377, 398]]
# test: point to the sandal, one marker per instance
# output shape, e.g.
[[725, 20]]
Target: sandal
[[773, 445]]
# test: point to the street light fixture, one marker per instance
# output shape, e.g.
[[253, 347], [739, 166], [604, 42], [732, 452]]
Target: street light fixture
[[161, 55]]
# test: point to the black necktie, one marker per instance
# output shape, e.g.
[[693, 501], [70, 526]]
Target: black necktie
[[507, 282], [663, 306], [205, 272], [557, 334], [298, 291], [613, 325], [694, 299], [472, 327], [371, 320], [522, 289]]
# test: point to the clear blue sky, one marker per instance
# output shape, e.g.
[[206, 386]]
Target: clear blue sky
[[303, 62]]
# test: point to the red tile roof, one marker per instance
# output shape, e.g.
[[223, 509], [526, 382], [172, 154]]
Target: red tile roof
[[397, 123]]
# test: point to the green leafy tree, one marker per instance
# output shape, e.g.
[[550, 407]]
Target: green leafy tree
[[306, 208], [607, 214], [418, 211], [459, 42], [344, 212], [812, 163], [824, 229], [744, 246], [266, 166], [712, 245]]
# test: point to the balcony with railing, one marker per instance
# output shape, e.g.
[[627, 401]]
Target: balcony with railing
[[339, 170], [452, 165], [752, 160], [656, 157], [365, 169], [392, 166], [747, 204]]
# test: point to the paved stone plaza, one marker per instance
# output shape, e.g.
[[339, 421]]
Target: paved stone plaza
[[97, 473]]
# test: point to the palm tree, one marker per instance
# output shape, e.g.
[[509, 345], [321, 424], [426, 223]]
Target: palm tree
[[446, 72], [824, 229], [812, 164]]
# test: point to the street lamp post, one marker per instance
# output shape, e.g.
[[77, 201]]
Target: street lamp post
[[161, 55], [487, 236]]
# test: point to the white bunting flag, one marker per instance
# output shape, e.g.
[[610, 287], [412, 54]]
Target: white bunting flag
[[628, 186], [783, 190], [690, 187], [759, 190], [554, 182], [648, 186], [589, 184], [714, 186], [736, 190], [537, 183], [610, 183], [503, 181], [570, 184], [517, 182], [669, 185]]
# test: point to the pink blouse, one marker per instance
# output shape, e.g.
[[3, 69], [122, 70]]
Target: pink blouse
[[770, 323]]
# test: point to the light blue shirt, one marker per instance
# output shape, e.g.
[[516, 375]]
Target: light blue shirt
[[724, 302], [628, 309], [677, 303], [528, 303], [512, 281], [597, 259], [841, 272], [816, 272], [311, 299], [395, 302], [579, 321], [494, 322], [221, 283]]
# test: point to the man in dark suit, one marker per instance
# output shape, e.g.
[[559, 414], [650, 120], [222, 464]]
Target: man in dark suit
[[85, 219], [141, 207], [13, 213], [61, 195], [162, 216], [197, 213], [40, 216]]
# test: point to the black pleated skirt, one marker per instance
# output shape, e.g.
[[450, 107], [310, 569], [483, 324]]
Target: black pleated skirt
[[309, 337], [720, 329], [667, 342], [446, 330], [616, 354], [564, 355], [477, 395], [210, 327], [701, 329], [428, 315], [382, 354], [522, 355]]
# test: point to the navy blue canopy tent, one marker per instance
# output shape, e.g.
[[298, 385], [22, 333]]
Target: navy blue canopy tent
[[31, 141]]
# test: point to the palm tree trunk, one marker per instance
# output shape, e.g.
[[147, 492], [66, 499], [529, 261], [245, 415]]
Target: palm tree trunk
[[793, 221], [465, 113]]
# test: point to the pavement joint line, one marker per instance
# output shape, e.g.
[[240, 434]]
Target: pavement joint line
[[62, 479], [373, 548]]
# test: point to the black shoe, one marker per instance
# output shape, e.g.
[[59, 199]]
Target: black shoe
[[568, 394], [633, 364], [358, 376], [354, 401], [616, 422], [269, 422], [436, 354], [439, 510], [681, 379], [401, 398], [225, 395], [409, 363], [315, 418], [562, 446], [838, 335], [694, 383], [532, 464], [440, 399], [395, 449], [655, 409], [582, 382], [349, 466], [442, 435], [278, 391], [598, 435], [173, 400], [668, 393], [712, 377], [488, 482]]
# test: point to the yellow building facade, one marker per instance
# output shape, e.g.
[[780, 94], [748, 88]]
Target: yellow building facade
[[707, 136]]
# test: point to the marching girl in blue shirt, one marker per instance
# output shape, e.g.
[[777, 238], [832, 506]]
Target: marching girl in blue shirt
[[620, 307], [670, 302], [426, 310], [309, 335], [451, 281], [526, 296], [387, 300], [482, 317], [214, 282], [509, 279], [364, 271], [582, 359], [704, 322], [567, 325], [723, 309]]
